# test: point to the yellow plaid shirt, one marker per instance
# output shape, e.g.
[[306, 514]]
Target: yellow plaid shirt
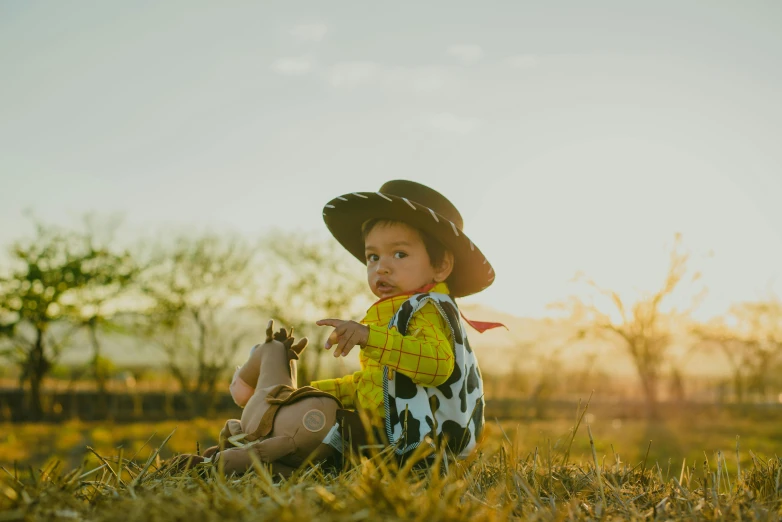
[[426, 355]]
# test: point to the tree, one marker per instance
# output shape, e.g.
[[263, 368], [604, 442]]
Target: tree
[[750, 339], [95, 305], [642, 328], [313, 279], [34, 296], [198, 290]]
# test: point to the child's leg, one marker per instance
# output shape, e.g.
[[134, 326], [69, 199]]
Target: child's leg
[[352, 429], [237, 461]]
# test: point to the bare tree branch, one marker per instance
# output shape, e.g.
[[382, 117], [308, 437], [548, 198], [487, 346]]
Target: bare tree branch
[[640, 328]]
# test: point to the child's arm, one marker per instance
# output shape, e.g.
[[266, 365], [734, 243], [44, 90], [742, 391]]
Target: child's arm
[[425, 355], [343, 388]]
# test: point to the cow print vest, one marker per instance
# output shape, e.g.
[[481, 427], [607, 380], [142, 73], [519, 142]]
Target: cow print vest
[[452, 411]]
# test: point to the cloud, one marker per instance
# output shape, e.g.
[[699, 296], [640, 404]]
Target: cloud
[[292, 66], [522, 61], [310, 32], [352, 75], [450, 123], [467, 53]]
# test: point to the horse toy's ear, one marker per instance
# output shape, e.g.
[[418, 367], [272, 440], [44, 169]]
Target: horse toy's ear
[[269, 330], [286, 338], [295, 350]]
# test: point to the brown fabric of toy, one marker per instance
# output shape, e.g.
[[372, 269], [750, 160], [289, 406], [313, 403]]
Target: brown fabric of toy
[[280, 396]]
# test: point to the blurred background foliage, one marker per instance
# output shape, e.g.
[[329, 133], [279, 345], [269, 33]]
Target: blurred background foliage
[[182, 309], [96, 328]]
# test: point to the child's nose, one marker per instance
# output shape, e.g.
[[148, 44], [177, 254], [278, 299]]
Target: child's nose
[[383, 267]]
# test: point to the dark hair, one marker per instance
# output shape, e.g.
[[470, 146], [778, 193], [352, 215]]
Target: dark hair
[[434, 248]]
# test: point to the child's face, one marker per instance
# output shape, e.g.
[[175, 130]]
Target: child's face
[[397, 261]]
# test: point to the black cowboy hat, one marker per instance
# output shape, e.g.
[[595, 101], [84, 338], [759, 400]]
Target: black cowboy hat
[[420, 207]]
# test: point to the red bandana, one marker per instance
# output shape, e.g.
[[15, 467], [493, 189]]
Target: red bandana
[[479, 326]]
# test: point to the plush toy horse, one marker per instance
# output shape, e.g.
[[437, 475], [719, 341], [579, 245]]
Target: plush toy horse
[[281, 424]]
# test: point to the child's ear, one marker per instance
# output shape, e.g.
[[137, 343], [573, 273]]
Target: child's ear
[[445, 268]]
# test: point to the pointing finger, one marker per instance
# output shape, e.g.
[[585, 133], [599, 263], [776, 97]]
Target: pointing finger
[[329, 322]]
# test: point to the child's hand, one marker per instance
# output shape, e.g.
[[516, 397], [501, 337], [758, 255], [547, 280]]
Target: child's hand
[[346, 335]]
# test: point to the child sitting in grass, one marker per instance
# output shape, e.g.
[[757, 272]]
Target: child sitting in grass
[[419, 377]]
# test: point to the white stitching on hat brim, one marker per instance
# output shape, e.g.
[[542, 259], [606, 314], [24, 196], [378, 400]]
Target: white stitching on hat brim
[[472, 253]]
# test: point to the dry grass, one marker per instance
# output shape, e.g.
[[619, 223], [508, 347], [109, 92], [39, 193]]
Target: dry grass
[[500, 482], [680, 434]]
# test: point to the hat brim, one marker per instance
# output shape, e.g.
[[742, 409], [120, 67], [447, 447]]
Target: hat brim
[[344, 216]]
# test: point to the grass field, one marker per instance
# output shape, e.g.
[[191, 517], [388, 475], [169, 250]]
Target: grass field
[[676, 437], [524, 470]]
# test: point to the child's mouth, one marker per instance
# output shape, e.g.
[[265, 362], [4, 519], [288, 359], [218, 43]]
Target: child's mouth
[[384, 287]]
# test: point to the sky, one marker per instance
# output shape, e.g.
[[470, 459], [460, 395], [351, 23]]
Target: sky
[[572, 136]]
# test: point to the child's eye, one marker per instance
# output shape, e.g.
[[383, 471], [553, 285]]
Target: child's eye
[[400, 255], [371, 258]]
